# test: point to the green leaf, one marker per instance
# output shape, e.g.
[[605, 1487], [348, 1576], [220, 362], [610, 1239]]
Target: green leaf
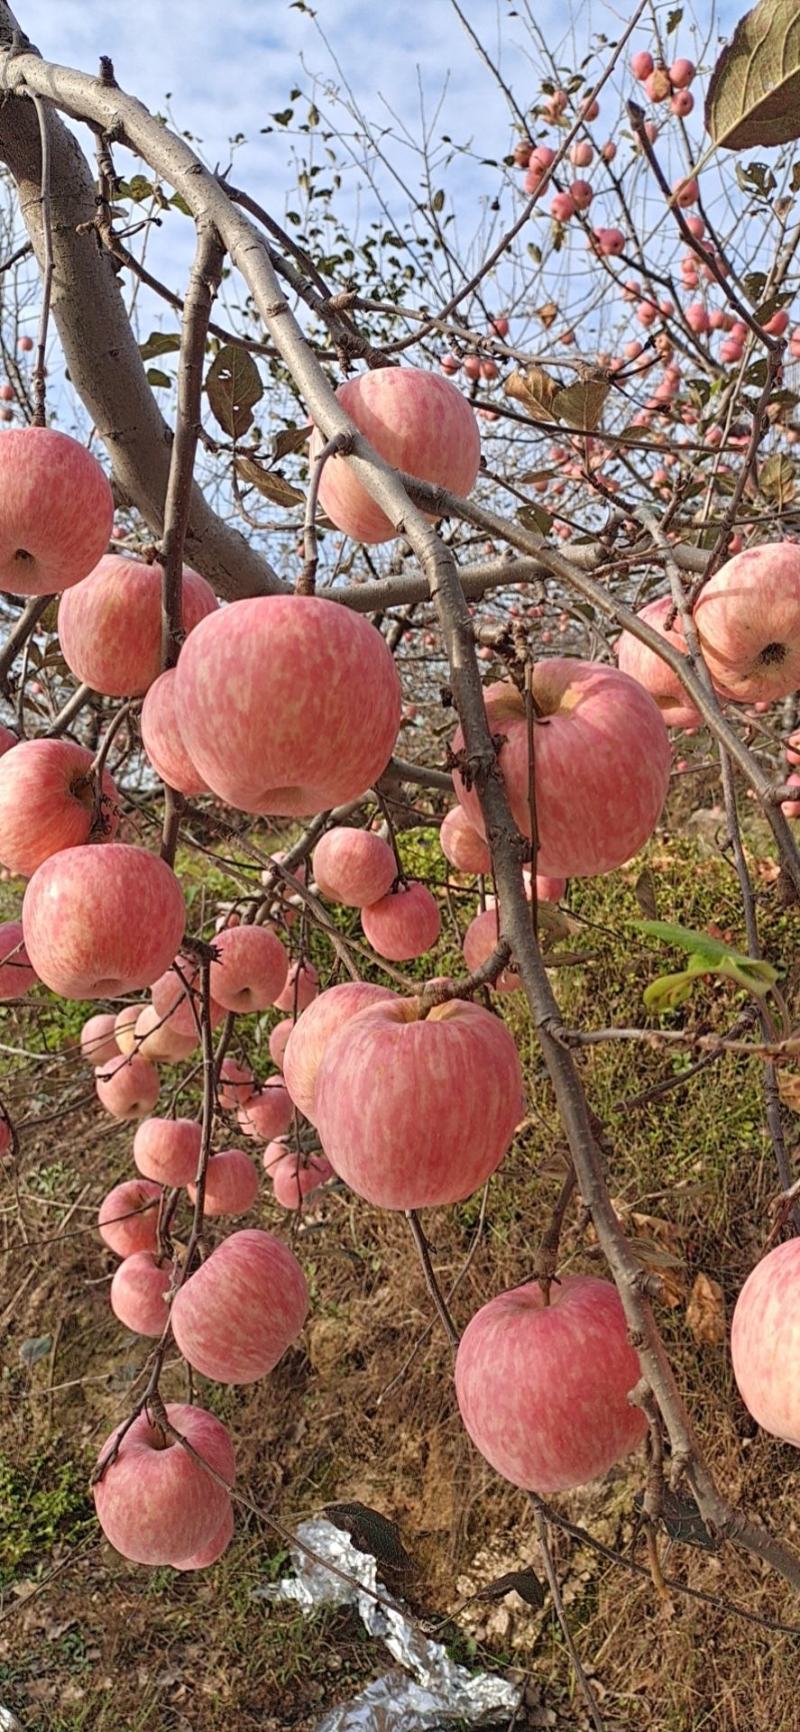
[[753, 96], [776, 479], [233, 384], [668, 991], [159, 343], [707, 956], [437, 202], [268, 483], [534, 517], [156, 377]]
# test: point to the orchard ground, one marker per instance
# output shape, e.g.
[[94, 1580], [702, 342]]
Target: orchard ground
[[106, 1645]]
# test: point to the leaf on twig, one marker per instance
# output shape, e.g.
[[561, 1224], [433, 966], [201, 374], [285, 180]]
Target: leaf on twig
[[582, 403], [534, 517], [707, 955], [233, 385], [754, 93], [705, 1312], [525, 1582], [370, 1532], [789, 1089], [682, 1519], [776, 479], [288, 440], [268, 482], [548, 314], [159, 343], [534, 389], [645, 892]]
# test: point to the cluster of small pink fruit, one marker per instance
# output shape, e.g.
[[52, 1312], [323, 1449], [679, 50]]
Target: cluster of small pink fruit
[[665, 83]]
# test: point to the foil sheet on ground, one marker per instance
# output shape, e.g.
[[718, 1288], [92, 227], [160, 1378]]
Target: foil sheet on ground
[[426, 1689]]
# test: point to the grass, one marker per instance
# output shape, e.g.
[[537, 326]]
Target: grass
[[106, 1645]]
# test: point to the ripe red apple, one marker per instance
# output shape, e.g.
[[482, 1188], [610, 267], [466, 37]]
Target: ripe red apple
[[311, 700], [100, 922], [549, 889], [56, 512], [251, 969], [764, 1339], [98, 1042], [480, 939], [642, 64], [312, 1031], [16, 973], [294, 1179], [47, 802], [462, 844], [178, 998], [644, 665], [419, 423], [237, 1085], [681, 74], [128, 1217], [403, 924], [128, 1087], [602, 757], [155, 1503], [138, 1293], [748, 618], [231, 1183], [155, 1039], [7, 740], [167, 1150], [415, 1111], [109, 626], [125, 1028], [279, 1039], [301, 988], [267, 1113], [543, 1390], [161, 738], [236, 1315], [353, 866]]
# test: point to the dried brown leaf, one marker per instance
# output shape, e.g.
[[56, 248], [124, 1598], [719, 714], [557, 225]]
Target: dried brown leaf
[[705, 1312], [754, 93]]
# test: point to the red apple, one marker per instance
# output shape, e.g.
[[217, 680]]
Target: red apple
[[236, 1315], [161, 738], [311, 700], [419, 423], [644, 665], [765, 1333], [167, 1150], [602, 758], [125, 1028], [251, 969], [100, 922], [128, 1087], [16, 973], [178, 998], [279, 1040], [480, 939], [237, 1085], [301, 988], [543, 1389], [98, 1042], [128, 1217], [156, 1503], [403, 924], [549, 889], [462, 844], [267, 1113], [748, 618], [642, 64], [47, 802], [138, 1293], [414, 1111], [231, 1183], [109, 626], [294, 1179], [315, 1028], [56, 511], [155, 1039], [353, 866]]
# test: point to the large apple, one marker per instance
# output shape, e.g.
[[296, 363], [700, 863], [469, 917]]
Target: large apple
[[98, 1041], [16, 973], [56, 511], [109, 626], [236, 1315], [167, 1150], [231, 1184], [353, 866], [403, 924], [311, 701], [128, 1087], [47, 802], [543, 1389], [658, 679], [748, 620], [128, 1217], [414, 1110], [138, 1293], [100, 922], [462, 844], [419, 423], [765, 1335], [312, 1031], [251, 969], [155, 1502], [601, 761], [161, 738], [267, 1113]]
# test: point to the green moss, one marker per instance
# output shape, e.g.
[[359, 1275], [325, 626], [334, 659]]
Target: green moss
[[44, 1501]]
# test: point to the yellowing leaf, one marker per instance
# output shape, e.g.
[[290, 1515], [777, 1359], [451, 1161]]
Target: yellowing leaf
[[789, 1089], [581, 404], [535, 390], [776, 479], [754, 94], [705, 1312], [268, 482]]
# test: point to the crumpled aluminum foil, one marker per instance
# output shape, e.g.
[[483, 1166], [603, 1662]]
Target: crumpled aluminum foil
[[8, 1721], [431, 1689]]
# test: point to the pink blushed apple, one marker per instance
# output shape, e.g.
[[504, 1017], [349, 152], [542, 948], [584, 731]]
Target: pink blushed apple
[[100, 922], [128, 1087], [138, 1293], [125, 1028], [109, 626], [177, 997], [16, 973], [543, 1389], [414, 1111], [644, 665], [294, 1179], [251, 968], [311, 699], [56, 511], [236, 1315], [748, 618], [155, 1039], [161, 738], [312, 1031], [231, 1184], [602, 758], [128, 1217], [167, 1150], [403, 924], [462, 844], [353, 866], [267, 1113], [419, 423], [98, 1042], [480, 940], [237, 1085], [279, 1040], [765, 1336], [155, 1502], [301, 988], [48, 802]]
